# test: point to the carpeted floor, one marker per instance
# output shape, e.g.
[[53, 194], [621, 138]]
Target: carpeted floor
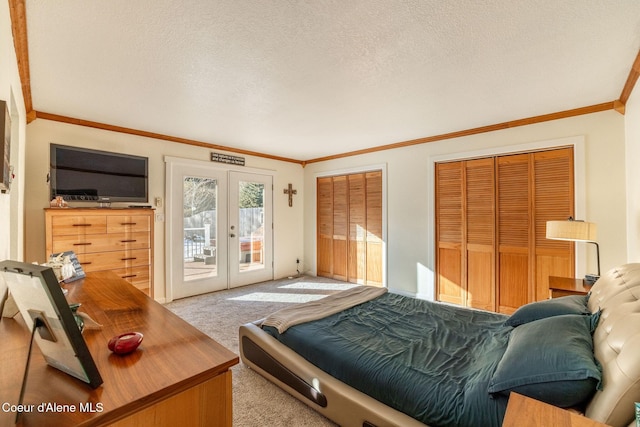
[[256, 401]]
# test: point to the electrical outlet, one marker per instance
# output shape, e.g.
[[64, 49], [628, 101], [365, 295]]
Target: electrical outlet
[[159, 217]]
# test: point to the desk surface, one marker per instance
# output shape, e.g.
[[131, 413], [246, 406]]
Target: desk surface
[[173, 357]]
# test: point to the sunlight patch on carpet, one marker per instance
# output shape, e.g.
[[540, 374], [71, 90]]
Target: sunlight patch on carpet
[[278, 297], [319, 286]]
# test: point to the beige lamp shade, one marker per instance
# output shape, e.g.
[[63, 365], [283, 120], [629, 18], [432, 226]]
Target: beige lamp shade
[[579, 231]]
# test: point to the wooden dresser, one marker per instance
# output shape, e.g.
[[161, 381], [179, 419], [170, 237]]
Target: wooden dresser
[[177, 377], [119, 240]]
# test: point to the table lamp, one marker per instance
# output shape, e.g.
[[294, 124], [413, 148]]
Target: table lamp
[[576, 231]]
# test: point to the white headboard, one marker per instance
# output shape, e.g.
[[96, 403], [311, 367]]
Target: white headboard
[[616, 343]]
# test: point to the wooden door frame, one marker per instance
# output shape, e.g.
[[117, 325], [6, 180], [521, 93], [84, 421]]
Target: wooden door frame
[[360, 169], [427, 288]]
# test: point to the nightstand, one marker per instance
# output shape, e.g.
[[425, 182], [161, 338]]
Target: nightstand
[[563, 286], [523, 411]]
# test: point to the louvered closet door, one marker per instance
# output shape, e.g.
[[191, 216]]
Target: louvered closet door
[[449, 228], [374, 239], [349, 221], [325, 227], [340, 227], [514, 231], [491, 214], [480, 233], [554, 200], [357, 228]]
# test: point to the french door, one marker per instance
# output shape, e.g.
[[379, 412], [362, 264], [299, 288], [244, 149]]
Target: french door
[[219, 228], [250, 229]]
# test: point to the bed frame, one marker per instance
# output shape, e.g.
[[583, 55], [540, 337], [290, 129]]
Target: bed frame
[[616, 347]]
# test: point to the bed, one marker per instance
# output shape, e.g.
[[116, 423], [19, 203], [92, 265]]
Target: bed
[[382, 359]]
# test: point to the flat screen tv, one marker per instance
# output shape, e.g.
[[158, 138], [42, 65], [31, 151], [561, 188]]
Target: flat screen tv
[[82, 174]]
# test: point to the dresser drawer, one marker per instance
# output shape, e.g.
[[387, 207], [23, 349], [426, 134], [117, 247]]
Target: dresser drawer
[[128, 223], [101, 242], [69, 225], [114, 260], [138, 276]]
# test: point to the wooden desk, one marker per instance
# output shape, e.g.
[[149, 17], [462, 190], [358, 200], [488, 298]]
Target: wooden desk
[[563, 286], [178, 375], [523, 411]]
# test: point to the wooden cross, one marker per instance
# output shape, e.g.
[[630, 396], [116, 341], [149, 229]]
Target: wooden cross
[[290, 191]]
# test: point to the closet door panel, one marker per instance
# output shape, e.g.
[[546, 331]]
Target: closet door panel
[[325, 227], [480, 278], [514, 231], [514, 279], [450, 280], [480, 233], [340, 227], [450, 274], [554, 200], [374, 228], [357, 228]]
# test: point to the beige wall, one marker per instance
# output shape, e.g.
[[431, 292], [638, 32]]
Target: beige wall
[[612, 191], [409, 187], [11, 204], [288, 221], [632, 137]]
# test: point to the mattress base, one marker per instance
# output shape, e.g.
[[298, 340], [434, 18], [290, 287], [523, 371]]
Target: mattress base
[[330, 397]]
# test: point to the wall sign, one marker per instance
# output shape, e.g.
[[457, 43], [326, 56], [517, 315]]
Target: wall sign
[[228, 159]]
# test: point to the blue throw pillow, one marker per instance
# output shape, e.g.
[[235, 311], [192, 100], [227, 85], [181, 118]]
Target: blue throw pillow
[[572, 304], [550, 360]]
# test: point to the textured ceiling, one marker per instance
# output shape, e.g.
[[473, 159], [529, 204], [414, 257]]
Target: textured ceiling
[[307, 79]]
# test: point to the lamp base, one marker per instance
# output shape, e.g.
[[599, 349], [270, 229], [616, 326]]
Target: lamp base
[[590, 279]]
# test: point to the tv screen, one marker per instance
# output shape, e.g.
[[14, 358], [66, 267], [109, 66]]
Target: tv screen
[[88, 175]]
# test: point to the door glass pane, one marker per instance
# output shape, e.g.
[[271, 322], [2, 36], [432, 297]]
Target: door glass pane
[[200, 228], [251, 225]]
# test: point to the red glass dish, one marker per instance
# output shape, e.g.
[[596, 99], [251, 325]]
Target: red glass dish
[[125, 343]]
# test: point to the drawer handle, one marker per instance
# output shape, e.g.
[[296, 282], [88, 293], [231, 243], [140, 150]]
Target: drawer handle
[[129, 276], [82, 244], [128, 223], [128, 241], [87, 263], [82, 225], [128, 259]]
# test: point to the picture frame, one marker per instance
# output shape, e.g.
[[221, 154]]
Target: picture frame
[[46, 312], [5, 147]]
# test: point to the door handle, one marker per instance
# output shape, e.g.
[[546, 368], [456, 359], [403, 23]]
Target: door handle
[[232, 235]]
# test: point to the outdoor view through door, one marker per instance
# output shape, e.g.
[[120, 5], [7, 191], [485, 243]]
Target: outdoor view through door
[[200, 229], [250, 225], [220, 229]]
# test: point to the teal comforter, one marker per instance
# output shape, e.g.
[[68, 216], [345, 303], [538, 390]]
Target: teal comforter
[[429, 360]]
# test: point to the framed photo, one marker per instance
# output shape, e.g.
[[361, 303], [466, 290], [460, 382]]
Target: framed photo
[[5, 147], [46, 312]]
